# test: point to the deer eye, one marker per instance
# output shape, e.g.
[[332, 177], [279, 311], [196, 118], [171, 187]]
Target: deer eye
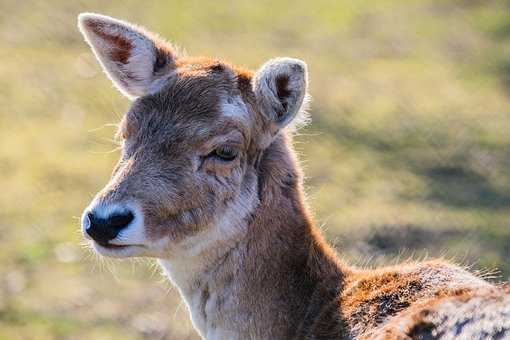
[[225, 153]]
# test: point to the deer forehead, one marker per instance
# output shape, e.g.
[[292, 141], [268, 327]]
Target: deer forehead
[[192, 108]]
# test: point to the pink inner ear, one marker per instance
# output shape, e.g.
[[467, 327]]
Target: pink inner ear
[[120, 46]]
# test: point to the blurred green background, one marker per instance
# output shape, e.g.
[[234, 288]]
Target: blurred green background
[[408, 154]]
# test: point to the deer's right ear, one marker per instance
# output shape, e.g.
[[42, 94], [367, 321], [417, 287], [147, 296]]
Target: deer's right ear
[[132, 58]]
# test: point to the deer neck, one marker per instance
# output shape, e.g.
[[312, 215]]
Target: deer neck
[[255, 278]]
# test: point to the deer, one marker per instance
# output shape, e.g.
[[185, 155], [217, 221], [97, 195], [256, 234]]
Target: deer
[[208, 183]]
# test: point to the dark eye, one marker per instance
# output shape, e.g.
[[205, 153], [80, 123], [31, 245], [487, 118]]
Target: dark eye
[[225, 153]]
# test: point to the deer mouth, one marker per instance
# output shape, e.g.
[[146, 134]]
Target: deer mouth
[[117, 250], [113, 246]]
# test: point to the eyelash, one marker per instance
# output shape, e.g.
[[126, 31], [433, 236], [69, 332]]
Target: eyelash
[[224, 153]]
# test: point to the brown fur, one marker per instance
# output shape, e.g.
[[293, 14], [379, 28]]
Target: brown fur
[[283, 280], [463, 313]]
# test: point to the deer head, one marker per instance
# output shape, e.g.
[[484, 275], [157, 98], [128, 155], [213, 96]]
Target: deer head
[[191, 142]]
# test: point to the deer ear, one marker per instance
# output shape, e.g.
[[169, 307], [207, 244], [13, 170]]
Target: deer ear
[[132, 58], [280, 87]]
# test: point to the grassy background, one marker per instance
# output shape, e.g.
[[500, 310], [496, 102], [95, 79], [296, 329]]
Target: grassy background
[[408, 154]]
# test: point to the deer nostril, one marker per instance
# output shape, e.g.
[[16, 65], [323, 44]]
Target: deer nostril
[[121, 221], [105, 229]]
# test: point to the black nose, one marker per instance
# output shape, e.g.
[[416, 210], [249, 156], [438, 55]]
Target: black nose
[[102, 230]]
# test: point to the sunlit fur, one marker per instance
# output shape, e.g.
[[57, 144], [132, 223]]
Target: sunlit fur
[[235, 236]]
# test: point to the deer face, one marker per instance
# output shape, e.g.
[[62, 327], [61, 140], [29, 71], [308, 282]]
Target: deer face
[[187, 175]]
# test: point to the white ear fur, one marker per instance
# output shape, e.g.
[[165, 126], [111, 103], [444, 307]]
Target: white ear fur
[[131, 57], [280, 87]]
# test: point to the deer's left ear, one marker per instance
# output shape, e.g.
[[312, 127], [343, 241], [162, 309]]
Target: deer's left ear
[[280, 87], [133, 58]]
